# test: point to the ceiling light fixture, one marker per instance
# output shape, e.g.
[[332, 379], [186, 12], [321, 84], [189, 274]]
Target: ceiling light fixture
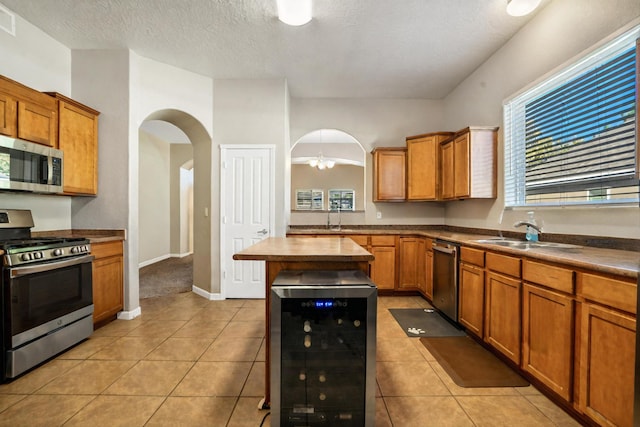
[[521, 7], [321, 163], [294, 12]]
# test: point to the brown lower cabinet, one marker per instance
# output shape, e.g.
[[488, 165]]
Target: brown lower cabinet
[[503, 316], [547, 337], [412, 253], [108, 280], [607, 363], [428, 269], [471, 298], [383, 267]]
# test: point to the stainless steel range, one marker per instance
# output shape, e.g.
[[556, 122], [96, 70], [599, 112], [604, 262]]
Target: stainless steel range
[[47, 300]]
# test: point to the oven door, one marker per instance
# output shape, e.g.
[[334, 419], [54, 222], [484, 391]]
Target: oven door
[[43, 297]]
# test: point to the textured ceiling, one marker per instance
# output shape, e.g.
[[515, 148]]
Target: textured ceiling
[[351, 48]]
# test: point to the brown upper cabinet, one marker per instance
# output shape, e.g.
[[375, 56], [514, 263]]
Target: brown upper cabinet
[[78, 139], [423, 165], [27, 114], [389, 174], [468, 164]]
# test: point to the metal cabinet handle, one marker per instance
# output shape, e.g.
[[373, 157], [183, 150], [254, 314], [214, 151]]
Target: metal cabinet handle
[[263, 231]]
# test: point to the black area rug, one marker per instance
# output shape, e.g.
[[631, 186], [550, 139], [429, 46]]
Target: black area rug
[[424, 322], [470, 365]]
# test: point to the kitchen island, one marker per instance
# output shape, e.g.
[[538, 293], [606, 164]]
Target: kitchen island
[[300, 253]]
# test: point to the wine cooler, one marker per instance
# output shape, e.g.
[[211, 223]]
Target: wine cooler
[[323, 349]]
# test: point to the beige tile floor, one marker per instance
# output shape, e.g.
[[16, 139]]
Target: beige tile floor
[[191, 362]]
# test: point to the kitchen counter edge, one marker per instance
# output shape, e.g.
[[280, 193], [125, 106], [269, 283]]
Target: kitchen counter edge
[[610, 261], [94, 235]]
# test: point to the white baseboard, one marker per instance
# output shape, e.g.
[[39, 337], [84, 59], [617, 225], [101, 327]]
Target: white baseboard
[[211, 297], [162, 258], [182, 255], [130, 315], [154, 260]]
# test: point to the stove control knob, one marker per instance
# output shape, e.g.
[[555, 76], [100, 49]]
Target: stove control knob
[[75, 250], [58, 252], [25, 257], [37, 255]]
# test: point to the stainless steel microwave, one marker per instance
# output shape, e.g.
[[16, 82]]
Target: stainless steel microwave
[[25, 166]]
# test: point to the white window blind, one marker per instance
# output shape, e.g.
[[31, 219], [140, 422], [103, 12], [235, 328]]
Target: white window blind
[[572, 138]]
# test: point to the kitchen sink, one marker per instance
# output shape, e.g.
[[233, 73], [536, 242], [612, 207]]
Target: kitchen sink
[[523, 244]]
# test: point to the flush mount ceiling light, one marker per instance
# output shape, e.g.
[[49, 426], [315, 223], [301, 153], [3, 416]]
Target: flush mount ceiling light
[[521, 7], [321, 163], [294, 12]]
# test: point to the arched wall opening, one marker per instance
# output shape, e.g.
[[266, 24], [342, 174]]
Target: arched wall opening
[[331, 164], [185, 163]]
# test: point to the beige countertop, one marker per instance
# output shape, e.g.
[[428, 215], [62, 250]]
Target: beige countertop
[[294, 249], [610, 261]]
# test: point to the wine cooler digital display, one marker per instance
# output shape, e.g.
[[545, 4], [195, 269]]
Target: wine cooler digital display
[[325, 355]]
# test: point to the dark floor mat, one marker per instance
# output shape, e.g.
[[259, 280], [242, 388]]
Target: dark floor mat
[[424, 322], [471, 365]]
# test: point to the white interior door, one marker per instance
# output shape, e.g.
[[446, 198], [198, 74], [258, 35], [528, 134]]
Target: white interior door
[[247, 211]]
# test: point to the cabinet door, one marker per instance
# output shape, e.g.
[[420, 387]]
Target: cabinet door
[[471, 298], [607, 363], [420, 265], [8, 116], [461, 166], [108, 274], [383, 268], [502, 314], [409, 257], [79, 141], [447, 172], [37, 123], [389, 179], [422, 168], [547, 338]]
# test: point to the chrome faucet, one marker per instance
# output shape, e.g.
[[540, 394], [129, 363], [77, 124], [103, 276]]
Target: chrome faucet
[[528, 224], [335, 227]]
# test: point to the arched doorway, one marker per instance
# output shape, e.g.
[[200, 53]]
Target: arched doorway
[[174, 182]]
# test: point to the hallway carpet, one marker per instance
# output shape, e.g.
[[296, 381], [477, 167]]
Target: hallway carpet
[[169, 276]]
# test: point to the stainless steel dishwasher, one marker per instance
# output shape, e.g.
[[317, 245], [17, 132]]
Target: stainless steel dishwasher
[[445, 278]]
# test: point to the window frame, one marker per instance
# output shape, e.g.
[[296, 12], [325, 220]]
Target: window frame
[[514, 171]]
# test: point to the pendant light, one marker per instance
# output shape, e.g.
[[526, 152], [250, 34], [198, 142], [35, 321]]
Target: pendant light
[[521, 7], [294, 12]]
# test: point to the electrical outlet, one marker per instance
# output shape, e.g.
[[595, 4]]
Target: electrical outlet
[[379, 215]]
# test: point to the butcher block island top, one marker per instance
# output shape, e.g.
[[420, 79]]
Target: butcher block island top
[[301, 249], [300, 253]]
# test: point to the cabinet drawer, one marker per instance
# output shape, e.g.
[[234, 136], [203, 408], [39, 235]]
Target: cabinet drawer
[[383, 240], [472, 256], [106, 249], [503, 264], [548, 275], [360, 239], [608, 291]]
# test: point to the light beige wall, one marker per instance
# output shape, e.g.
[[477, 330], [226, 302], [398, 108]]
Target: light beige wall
[[340, 177], [153, 199], [373, 123], [559, 32], [180, 153]]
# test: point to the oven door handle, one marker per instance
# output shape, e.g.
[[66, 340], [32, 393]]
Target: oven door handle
[[40, 268]]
